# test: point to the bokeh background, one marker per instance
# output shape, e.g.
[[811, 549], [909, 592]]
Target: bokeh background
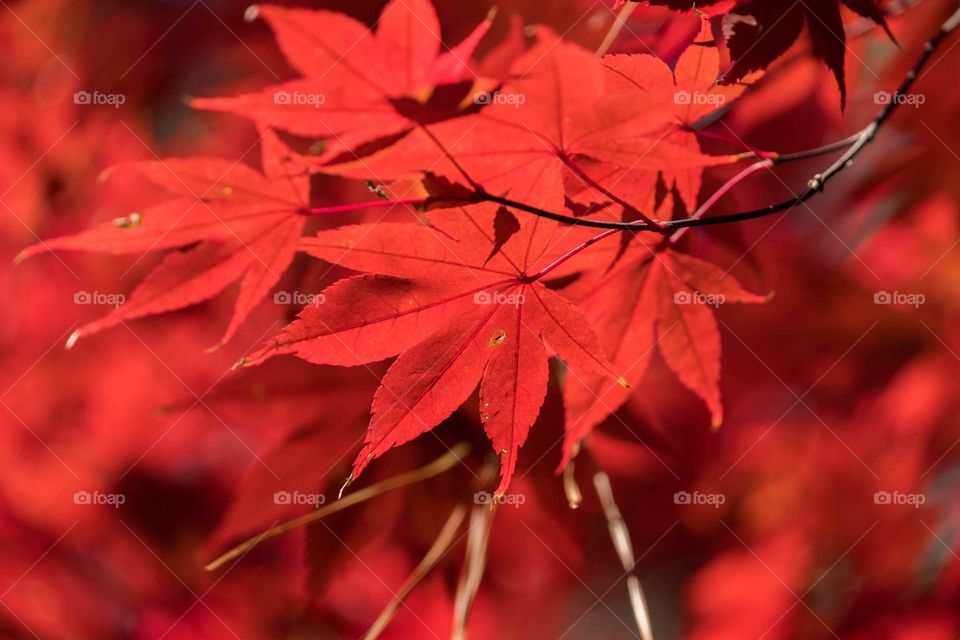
[[831, 396]]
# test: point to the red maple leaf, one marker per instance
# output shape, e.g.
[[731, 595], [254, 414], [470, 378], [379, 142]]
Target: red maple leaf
[[357, 85], [654, 298], [235, 222], [460, 312]]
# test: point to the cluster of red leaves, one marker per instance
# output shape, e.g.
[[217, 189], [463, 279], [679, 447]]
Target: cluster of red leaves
[[467, 294], [459, 295]]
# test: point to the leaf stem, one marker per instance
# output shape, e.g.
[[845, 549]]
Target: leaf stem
[[569, 254], [719, 193], [444, 463]]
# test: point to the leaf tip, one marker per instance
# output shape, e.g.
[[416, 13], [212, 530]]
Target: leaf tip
[[217, 347], [251, 13], [20, 257], [716, 424], [623, 382], [72, 340], [242, 362]]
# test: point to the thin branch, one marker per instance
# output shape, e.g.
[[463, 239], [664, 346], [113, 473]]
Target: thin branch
[[445, 539], [621, 542], [444, 463], [671, 225], [776, 157], [839, 145], [628, 208]]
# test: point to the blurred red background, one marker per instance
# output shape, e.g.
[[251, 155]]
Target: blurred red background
[[831, 398]]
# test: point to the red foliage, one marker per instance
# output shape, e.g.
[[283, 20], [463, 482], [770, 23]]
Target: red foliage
[[463, 245]]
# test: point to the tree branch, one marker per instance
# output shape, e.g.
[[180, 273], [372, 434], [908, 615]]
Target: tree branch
[[599, 188], [854, 145]]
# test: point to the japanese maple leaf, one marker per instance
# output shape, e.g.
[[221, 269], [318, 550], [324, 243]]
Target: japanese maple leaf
[[461, 306], [234, 222], [655, 297], [759, 31], [357, 85], [564, 109]]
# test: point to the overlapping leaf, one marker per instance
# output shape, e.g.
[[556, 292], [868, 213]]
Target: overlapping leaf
[[357, 85], [563, 110], [655, 298]]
